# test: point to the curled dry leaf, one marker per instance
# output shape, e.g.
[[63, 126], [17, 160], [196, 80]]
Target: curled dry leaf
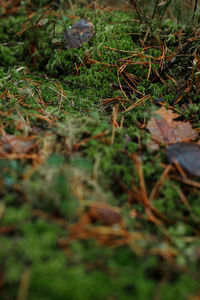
[[187, 155], [104, 232], [106, 214], [165, 130], [80, 32], [12, 144]]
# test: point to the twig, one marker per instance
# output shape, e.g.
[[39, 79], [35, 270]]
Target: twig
[[194, 11], [155, 8], [140, 13]]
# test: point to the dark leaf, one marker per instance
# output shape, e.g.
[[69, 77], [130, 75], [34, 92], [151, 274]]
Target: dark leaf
[[80, 32], [187, 156]]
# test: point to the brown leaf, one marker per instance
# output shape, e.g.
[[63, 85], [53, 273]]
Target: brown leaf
[[12, 144], [80, 32], [104, 233], [165, 130], [167, 115], [105, 213]]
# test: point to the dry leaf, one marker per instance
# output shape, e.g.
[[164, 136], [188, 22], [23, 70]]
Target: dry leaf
[[12, 144], [105, 213], [167, 115], [165, 130], [105, 233], [80, 32], [187, 155]]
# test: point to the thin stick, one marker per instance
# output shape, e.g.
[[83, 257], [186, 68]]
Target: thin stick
[[155, 8], [140, 13], [194, 11]]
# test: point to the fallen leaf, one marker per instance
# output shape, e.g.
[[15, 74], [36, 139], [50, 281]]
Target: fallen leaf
[[167, 115], [104, 232], [165, 130], [12, 144], [80, 32], [187, 155], [105, 213]]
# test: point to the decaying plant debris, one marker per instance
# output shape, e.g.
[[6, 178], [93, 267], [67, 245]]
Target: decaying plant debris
[[99, 190]]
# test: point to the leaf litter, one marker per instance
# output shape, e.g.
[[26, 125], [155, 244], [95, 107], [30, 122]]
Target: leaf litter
[[185, 155], [10, 143], [165, 130]]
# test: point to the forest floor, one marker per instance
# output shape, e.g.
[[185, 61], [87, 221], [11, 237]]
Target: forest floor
[[99, 147]]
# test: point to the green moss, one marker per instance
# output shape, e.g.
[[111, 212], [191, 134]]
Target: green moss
[[58, 95]]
